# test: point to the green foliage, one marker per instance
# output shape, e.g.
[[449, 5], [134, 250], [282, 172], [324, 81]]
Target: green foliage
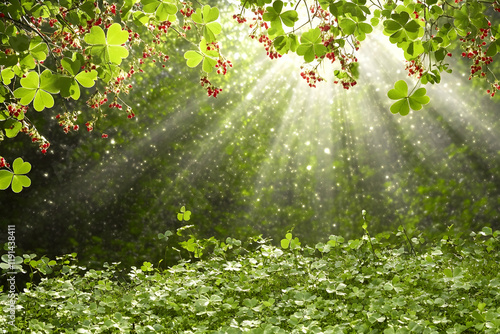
[[254, 287], [184, 215], [16, 178], [107, 48], [406, 101]]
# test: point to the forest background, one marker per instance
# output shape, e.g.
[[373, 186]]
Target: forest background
[[268, 155]]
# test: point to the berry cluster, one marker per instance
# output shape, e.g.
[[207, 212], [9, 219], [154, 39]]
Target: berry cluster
[[211, 89], [222, 65], [495, 87], [97, 100], [415, 68], [4, 163], [186, 10], [311, 76], [475, 50], [16, 110], [240, 19], [67, 121], [43, 144]]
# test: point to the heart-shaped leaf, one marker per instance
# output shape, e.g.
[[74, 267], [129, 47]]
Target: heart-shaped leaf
[[16, 179], [208, 64], [401, 107], [5, 179], [193, 58], [108, 49], [73, 67], [20, 181], [38, 48], [400, 90], [7, 75], [87, 78], [12, 128], [418, 98]]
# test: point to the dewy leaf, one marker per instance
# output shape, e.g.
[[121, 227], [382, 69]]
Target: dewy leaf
[[194, 58]]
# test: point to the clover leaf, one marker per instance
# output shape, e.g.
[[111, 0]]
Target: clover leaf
[[38, 48], [285, 43], [69, 85], [400, 93], [402, 31], [38, 89], [16, 179], [276, 17], [207, 16], [163, 10], [194, 58], [289, 241], [12, 127], [108, 49], [184, 214], [311, 45]]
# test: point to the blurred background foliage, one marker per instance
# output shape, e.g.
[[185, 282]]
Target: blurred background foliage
[[268, 155]]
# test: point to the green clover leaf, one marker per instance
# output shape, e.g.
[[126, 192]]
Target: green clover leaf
[[108, 49], [401, 29], [38, 48], [38, 89], [276, 17], [311, 45], [207, 16], [7, 75], [405, 102], [16, 179], [162, 9], [418, 98], [194, 58], [12, 127], [69, 85], [184, 214]]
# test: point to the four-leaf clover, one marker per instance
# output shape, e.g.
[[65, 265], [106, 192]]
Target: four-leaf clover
[[405, 101]]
